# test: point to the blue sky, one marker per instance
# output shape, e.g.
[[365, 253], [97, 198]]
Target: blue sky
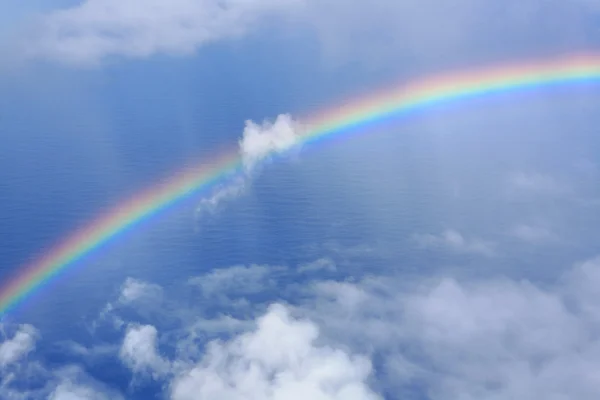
[[451, 255]]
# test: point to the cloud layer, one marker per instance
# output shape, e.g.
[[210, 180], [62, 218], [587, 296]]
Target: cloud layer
[[447, 338], [94, 30]]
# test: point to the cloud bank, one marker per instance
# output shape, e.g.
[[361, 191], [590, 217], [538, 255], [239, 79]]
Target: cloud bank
[[473, 339], [442, 339], [92, 31]]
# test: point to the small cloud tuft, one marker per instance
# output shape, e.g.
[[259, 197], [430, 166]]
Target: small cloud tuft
[[454, 241]]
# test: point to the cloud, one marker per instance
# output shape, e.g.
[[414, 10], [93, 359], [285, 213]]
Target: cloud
[[535, 183], [223, 193], [533, 234], [322, 264], [442, 338], [136, 291], [260, 141], [21, 344], [146, 298], [236, 280], [258, 144], [279, 360], [454, 241], [92, 31], [70, 391], [24, 378], [472, 339], [74, 384], [140, 351], [380, 32]]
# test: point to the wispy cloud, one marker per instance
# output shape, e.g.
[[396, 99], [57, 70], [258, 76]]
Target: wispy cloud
[[235, 281], [72, 383], [24, 374], [454, 241], [384, 30], [534, 183], [533, 234], [322, 264], [136, 291]]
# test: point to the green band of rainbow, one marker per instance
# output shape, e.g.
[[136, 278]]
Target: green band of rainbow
[[418, 96]]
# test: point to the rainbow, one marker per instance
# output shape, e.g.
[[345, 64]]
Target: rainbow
[[399, 101]]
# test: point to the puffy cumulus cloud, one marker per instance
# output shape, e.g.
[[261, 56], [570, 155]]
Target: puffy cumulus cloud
[[487, 339], [139, 351], [454, 241], [278, 360], [260, 141], [17, 347], [93, 30]]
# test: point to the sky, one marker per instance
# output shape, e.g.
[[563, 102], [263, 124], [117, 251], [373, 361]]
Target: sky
[[449, 255]]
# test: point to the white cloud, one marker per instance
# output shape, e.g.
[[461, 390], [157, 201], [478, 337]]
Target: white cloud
[[72, 383], [71, 391], [236, 280], [486, 339], [93, 30], [258, 144], [533, 234], [144, 297], [223, 193], [279, 360], [454, 241], [25, 379], [260, 141], [136, 291], [322, 264], [21, 344], [139, 351]]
